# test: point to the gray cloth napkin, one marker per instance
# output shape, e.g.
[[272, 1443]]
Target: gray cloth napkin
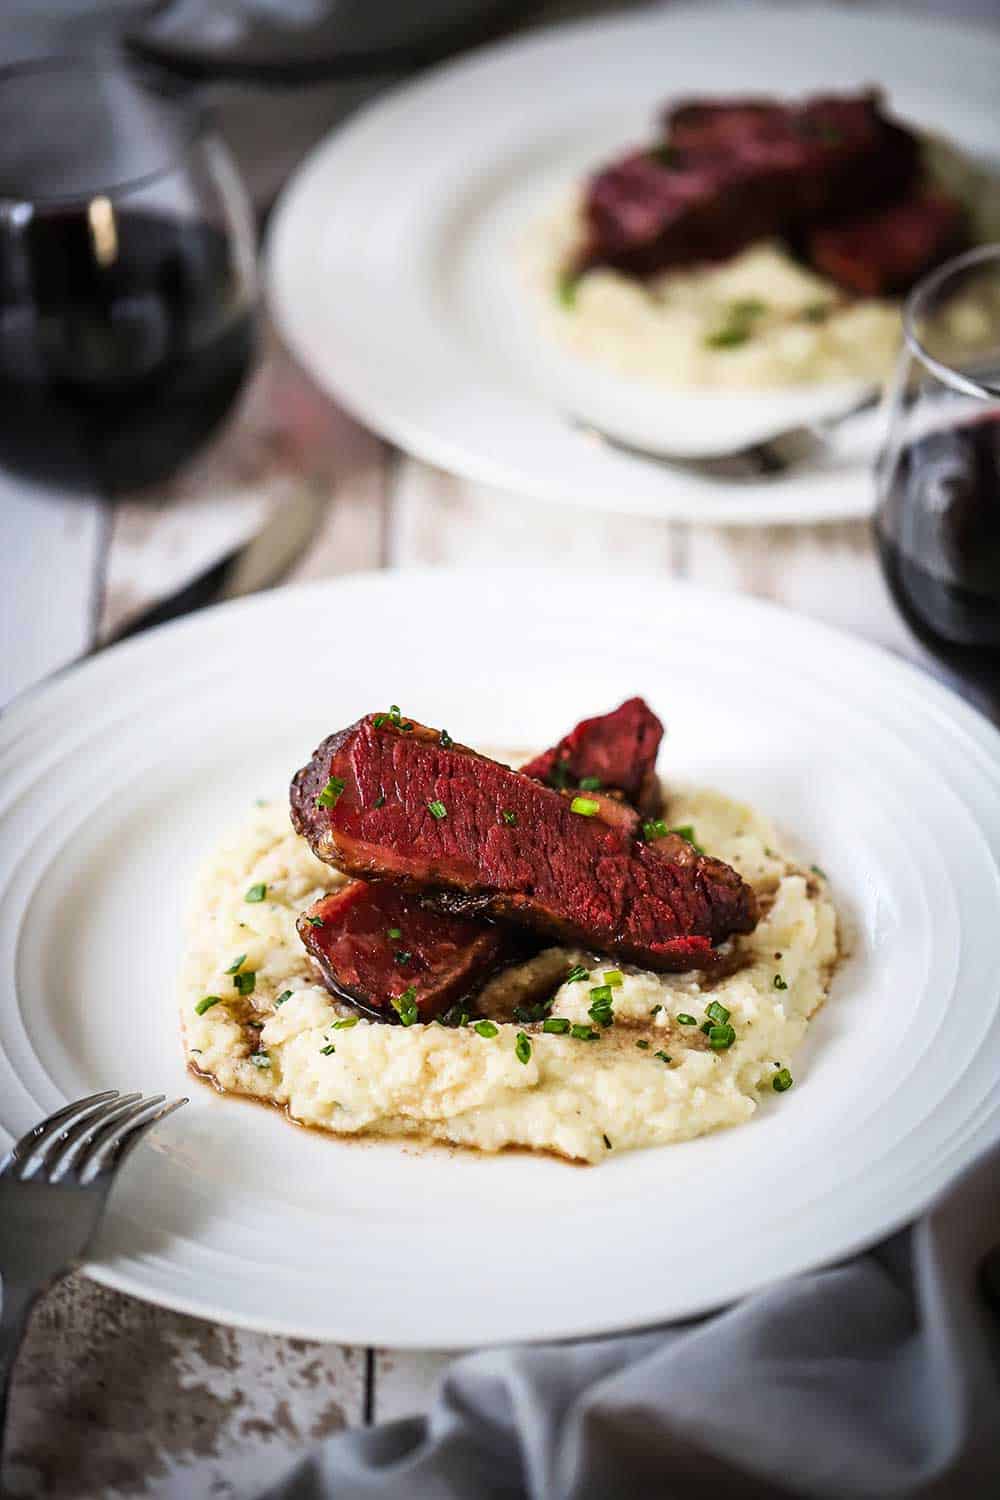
[[876, 1378]]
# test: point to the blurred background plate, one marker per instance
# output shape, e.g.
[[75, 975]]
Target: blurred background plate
[[418, 207], [118, 777]]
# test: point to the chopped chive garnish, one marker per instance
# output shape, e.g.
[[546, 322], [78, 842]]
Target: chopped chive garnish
[[445, 740], [748, 307], [817, 871], [654, 828], [522, 1047], [509, 817], [245, 983], [261, 1059], [380, 800], [706, 1027], [256, 892], [600, 1009], [315, 921], [285, 995], [437, 810], [683, 1019], [345, 1024], [728, 337], [780, 983], [590, 783], [555, 1025], [655, 1011], [585, 806], [394, 932], [394, 718], [454, 1016], [566, 288], [330, 794], [405, 1006], [643, 1044], [614, 977], [686, 832], [663, 1056], [403, 956], [537, 1012], [665, 155], [559, 776], [575, 974], [206, 1003], [781, 1081], [721, 1037], [325, 1051], [584, 1033], [717, 1013], [236, 964], [485, 1028], [606, 1141]]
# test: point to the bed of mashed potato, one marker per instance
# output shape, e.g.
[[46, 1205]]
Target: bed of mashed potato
[[757, 320], [649, 1079]]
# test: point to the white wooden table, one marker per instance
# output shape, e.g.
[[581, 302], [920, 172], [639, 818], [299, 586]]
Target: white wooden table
[[113, 1397]]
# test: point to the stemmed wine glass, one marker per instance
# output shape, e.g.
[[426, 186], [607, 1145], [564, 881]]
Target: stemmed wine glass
[[937, 523], [127, 275]]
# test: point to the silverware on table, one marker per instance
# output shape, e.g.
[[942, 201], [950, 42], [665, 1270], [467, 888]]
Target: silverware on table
[[257, 564], [54, 1184], [766, 459]]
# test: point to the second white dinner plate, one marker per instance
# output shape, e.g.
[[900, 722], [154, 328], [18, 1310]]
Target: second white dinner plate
[[396, 265], [117, 779]]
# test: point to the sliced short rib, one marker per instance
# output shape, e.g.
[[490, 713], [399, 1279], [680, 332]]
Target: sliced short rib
[[387, 801], [374, 943], [886, 252], [734, 171], [446, 959], [615, 751]]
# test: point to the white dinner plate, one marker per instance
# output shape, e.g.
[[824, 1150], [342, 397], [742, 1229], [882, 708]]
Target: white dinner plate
[[397, 276], [117, 778]]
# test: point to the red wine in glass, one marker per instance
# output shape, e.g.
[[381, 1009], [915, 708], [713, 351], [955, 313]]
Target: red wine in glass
[[937, 526], [939, 538], [127, 295]]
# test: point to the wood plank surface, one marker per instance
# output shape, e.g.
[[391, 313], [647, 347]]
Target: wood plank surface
[[52, 549]]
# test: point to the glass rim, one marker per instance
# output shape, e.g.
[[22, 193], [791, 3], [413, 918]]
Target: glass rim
[[916, 303], [105, 64]]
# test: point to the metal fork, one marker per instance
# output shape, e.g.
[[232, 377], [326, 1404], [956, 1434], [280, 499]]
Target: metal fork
[[53, 1187]]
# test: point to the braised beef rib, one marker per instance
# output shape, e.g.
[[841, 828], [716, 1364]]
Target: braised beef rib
[[733, 171], [388, 800], [373, 943]]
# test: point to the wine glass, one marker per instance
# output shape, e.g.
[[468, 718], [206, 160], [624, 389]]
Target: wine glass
[[127, 275], [937, 524]]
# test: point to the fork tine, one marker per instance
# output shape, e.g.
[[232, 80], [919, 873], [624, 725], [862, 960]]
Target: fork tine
[[91, 1140], [59, 1155], [42, 1133], [125, 1135]]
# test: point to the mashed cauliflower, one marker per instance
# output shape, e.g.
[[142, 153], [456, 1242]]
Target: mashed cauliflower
[[648, 1078]]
